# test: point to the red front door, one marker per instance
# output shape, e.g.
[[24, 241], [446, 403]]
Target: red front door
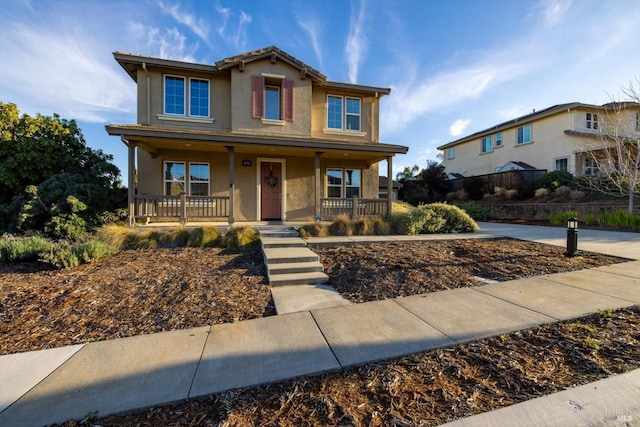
[[271, 190]]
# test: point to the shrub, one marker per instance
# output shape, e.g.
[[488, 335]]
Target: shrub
[[576, 195], [94, 250], [203, 237], [28, 248], [423, 220], [475, 188], [451, 196], [399, 223], [620, 218], [148, 239], [364, 227], [462, 195], [511, 194], [589, 219], [315, 229], [561, 218], [61, 254], [380, 226], [541, 193], [456, 220], [400, 207], [176, 237], [563, 191], [240, 237], [500, 191], [554, 179], [474, 210]]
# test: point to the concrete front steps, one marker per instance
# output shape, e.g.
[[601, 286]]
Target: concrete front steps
[[297, 279]]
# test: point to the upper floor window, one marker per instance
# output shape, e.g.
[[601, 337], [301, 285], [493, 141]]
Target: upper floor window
[[524, 134], [343, 183], [451, 153], [486, 144], [637, 119], [592, 121], [498, 139], [272, 97], [343, 113], [175, 96]]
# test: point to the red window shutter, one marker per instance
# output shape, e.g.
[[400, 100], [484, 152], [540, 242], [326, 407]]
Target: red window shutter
[[287, 100], [257, 94]]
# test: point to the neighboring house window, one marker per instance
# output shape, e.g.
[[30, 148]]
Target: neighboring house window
[[498, 139], [638, 120], [451, 153], [486, 144], [590, 167], [199, 98], [177, 180], [199, 179], [561, 164], [592, 121], [272, 97], [174, 95], [343, 113], [343, 183], [524, 134], [174, 178]]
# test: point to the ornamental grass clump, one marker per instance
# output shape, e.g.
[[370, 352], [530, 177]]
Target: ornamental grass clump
[[176, 237], [240, 238], [203, 237], [118, 236], [341, 226], [315, 229]]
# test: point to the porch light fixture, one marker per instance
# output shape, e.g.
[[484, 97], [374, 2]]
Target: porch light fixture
[[572, 237]]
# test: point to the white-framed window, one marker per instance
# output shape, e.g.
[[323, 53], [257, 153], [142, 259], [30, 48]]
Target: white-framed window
[[272, 97], [199, 179], [592, 121], [637, 119], [499, 139], [176, 96], [590, 167], [177, 178], [561, 164], [486, 144], [344, 113], [451, 153], [523, 134], [343, 183]]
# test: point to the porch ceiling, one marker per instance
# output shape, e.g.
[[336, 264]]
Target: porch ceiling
[[153, 139]]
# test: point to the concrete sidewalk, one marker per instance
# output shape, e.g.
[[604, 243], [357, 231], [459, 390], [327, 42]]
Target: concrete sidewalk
[[118, 375]]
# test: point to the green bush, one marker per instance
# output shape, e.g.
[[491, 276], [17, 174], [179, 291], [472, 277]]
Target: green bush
[[240, 237], [28, 248], [474, 210], [61, 254], [561, 218], [424, 220], [94, 250], [554, 179], [620, 218], [456, 220]]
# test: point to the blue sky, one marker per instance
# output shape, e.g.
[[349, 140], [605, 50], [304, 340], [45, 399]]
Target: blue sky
[[454, 67]]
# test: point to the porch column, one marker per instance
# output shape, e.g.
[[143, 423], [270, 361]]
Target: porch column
[[389, 185], [318, 185], [131, 181], [232, 185]]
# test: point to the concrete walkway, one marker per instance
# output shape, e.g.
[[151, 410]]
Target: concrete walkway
[[107, 377]]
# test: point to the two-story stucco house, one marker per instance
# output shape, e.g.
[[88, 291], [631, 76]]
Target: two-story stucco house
[[255, 137], [557, 138]]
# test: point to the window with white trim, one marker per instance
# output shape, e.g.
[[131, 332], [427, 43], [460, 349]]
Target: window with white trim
[[523, 134], [176, 96], [498, 139], [590, 167], [592, 121], [180, 177], [344, 113], [451, 153], [561, 164], [486, 144], [344, 183]]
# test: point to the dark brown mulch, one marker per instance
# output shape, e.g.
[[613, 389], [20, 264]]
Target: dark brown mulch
[[378, 271], [426, 389], [131, 293]]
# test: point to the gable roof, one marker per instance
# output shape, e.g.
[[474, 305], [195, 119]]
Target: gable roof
[[383, 182], [270, 52]]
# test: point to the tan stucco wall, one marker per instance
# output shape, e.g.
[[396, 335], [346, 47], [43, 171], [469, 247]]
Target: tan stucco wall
[[369, 116]]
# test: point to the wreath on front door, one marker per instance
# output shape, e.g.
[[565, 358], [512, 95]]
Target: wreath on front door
[[271, 181]]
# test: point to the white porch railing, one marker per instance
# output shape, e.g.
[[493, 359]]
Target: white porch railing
[[181, 207], [353, 208]]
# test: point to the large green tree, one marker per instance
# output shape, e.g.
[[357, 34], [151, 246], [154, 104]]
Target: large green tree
[[43, 149]]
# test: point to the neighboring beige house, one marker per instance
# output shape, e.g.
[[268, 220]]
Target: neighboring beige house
[[557, 138], [384, 188], [255, 137]]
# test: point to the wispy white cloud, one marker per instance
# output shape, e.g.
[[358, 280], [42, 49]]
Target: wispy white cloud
[[64, 70], [552, 11], [356, 42], [459, 126], [236, 37], [198, 26], [312, 29], [168, 43]]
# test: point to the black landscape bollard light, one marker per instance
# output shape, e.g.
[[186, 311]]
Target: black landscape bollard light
[[572, 237]]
